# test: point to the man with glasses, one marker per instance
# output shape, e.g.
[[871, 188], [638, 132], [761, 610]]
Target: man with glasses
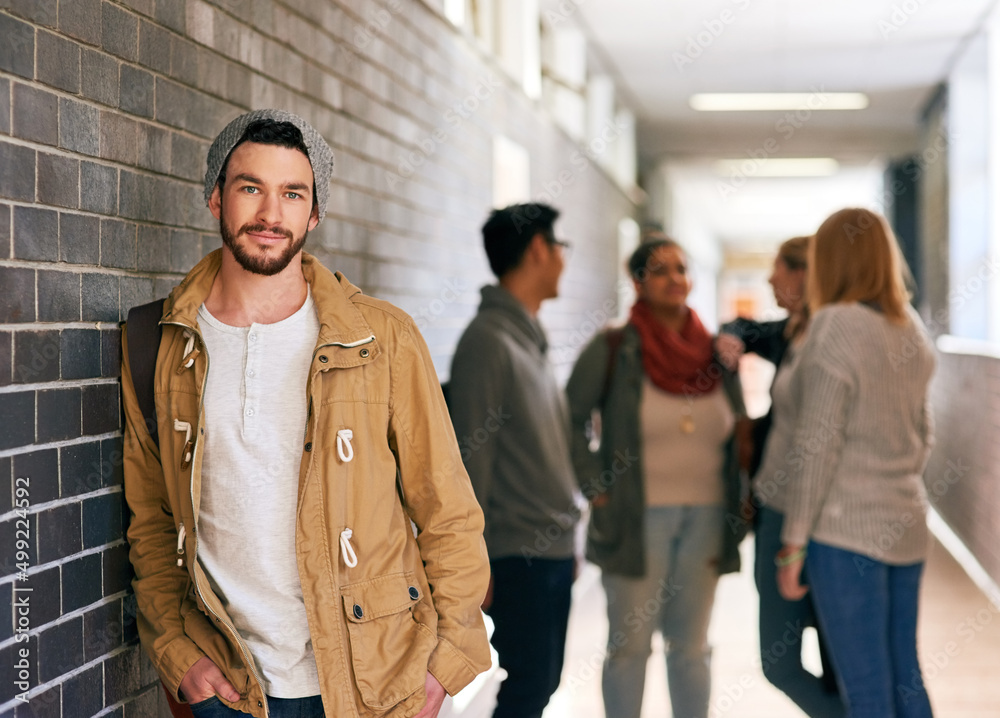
[[512, 423]]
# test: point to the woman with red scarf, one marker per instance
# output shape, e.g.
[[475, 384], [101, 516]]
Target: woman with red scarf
[[653, 423]]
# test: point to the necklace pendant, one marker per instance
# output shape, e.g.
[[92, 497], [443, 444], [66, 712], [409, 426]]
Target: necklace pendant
[[687, 424]]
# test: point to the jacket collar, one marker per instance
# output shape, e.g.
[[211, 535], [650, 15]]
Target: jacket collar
[[498, 299], [340, 320]]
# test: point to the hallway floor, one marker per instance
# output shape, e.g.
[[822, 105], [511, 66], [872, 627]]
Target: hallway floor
[[959, 648]]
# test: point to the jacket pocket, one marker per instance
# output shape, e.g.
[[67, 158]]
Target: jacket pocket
[[389, 648]]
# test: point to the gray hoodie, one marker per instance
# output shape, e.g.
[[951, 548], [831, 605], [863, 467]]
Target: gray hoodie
[[512, 424]]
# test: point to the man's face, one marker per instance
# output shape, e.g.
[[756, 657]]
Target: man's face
[[553, 263], [265, 210]]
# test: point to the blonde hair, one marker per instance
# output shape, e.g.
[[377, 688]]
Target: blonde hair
[[855, 258]]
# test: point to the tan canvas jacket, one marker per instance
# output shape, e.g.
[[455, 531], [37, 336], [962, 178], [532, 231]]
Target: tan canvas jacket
[[411, 603]]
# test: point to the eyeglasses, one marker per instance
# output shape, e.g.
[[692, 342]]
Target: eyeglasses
[[565, 246]]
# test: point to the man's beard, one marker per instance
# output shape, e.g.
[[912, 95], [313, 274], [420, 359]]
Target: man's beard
[[261, 262]]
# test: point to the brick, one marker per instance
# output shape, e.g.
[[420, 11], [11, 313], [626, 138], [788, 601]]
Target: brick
[[103, 630], [112, 460], [154, 148], [80, 468], [184, 60], [36, 356], [118, 244], [121, 675], [4, 231], [79, 127], [17, 51], [102, 520], [17, 181], [58, 414], [44, 705], [99, 297], [80, 352], [185, 250], [101, 409], [79, 238], [6, 372], [41, 468], [45, 604], [187, 157], [58, 296], [81, 582], [81, 19], [136, 91], [154, 47], [111, 353], [154, 249], [117, 570], [99, 77], [6, 486], [98, 188], [59, 532], [40, 12], [135, 291], [18, 428], [85, 692], [58, 180], [172, 14], [60, 649], [4, 106], [17, 300], [119, 138], [119, 32], [36, 234], [35, 115], [142, 6], [6, 611], [9, 674], [58, 62]]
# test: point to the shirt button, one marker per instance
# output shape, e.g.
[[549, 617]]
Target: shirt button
[[252, 337], [249, 412], [358, 612], [249, 372]]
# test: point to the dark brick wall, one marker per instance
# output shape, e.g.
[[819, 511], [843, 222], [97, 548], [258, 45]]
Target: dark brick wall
[[106, 111]]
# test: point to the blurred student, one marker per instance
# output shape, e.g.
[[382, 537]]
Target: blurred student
[[855, 509]]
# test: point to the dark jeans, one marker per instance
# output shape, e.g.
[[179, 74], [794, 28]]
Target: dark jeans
[[781, 625], [310, 707], [868, 611], [530, 609]]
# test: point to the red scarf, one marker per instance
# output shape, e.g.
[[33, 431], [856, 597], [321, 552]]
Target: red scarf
[[677, 362]]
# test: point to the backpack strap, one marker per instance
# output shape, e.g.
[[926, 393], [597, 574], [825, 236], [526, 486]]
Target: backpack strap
[[144, 334]]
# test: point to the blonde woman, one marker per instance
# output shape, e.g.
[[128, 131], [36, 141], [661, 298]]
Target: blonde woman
[[855, 503]]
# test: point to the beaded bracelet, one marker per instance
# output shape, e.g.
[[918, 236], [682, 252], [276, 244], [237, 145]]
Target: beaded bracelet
[[781, 561]]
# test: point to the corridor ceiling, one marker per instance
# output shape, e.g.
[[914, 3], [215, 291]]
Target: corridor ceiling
[[660, 52]]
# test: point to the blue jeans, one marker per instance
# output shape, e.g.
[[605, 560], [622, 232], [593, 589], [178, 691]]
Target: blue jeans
[[310, 707], [868, 611], [530, 611], [682, 545], [781, 625]]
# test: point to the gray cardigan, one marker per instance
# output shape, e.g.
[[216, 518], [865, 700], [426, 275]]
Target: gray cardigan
[[512, 424], [615, 532]]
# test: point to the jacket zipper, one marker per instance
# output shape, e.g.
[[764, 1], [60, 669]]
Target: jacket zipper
[[197, 586]]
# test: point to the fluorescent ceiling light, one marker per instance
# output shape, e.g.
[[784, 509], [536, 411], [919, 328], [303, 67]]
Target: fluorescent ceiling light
[[764, 101], [778, 167]]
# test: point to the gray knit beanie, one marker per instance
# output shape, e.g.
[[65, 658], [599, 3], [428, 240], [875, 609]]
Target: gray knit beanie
[[320, 154]]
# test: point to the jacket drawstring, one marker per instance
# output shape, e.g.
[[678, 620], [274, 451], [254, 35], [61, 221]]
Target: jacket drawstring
[[181, 533], [189, 352], [346, 550], [344, 449], [188, 445]]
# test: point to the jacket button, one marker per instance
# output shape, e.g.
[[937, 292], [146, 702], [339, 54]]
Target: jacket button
[[414, 593], [358, 613], [364, 353], [323, 358], [309, 446], [260, 704]]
